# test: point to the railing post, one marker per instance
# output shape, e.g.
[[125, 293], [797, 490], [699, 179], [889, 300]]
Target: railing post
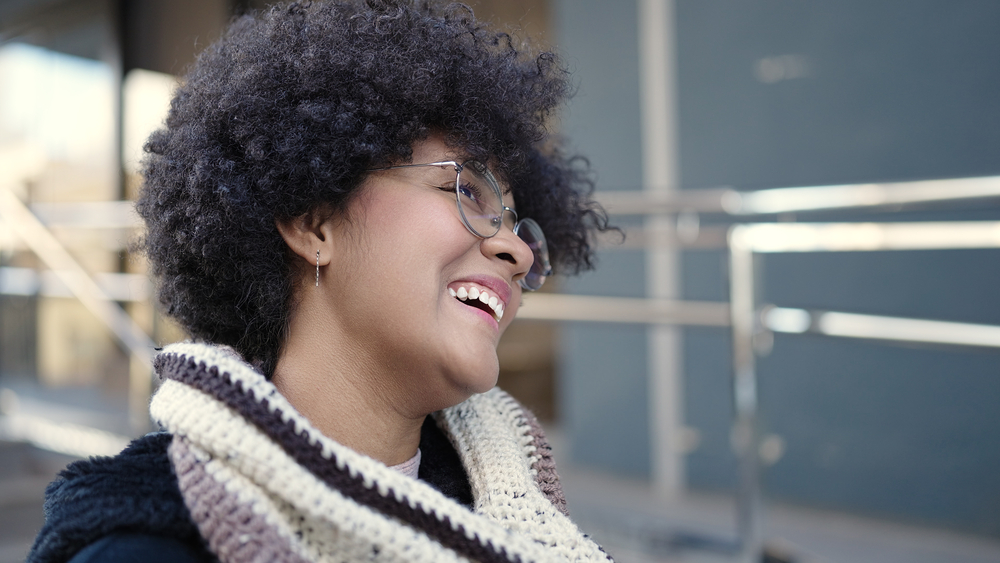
[[744, 432]]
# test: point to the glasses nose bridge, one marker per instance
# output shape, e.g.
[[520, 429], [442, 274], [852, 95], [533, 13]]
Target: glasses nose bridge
[[514, 221]]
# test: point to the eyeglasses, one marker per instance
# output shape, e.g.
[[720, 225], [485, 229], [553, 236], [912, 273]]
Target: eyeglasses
[[480, 203]]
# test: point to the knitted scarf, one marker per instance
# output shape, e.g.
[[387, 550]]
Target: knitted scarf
[[262, 484]]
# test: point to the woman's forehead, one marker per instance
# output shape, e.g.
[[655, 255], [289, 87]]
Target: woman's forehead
[[435, 148]]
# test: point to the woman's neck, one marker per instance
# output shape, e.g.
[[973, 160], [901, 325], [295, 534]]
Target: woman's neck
[[347, 400]]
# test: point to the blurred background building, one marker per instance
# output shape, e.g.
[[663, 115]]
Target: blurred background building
[[673, 97]]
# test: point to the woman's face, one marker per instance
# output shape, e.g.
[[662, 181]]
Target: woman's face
[[402, 260]]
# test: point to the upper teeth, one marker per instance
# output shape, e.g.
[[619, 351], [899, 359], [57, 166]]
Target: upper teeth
[[482, 295]]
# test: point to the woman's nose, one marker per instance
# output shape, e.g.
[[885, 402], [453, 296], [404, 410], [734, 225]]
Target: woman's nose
[[509, 248]]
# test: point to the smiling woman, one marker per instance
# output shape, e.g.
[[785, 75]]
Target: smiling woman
[[343, 210]]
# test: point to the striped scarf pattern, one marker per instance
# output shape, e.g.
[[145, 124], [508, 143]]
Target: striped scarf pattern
[[262, 484]]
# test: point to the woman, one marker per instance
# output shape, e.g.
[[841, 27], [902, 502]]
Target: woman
[[343, 211]]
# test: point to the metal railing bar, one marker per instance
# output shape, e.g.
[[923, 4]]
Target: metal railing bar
[[800, 199], [640, 238], [786, 320], [638, 202], [745, 432], [864, 237], [563, 307], [88, 214], [879, 327], [116, 286]]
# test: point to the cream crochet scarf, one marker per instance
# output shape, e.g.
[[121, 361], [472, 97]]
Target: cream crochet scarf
[[263, 485]]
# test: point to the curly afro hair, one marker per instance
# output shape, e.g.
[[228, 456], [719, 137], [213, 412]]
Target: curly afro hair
[[286, 113]]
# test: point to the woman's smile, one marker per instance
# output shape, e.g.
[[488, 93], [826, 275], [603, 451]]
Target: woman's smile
[[483, 293]]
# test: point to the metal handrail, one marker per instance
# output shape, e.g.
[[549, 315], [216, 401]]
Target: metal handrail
[[23, 223], [749, 239], [786, 320], [735, 203], [36, 236], [590, 308], [745, 240], [879, 327]]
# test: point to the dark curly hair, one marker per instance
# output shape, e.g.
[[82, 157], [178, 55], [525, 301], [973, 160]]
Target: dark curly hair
[[286, 113]]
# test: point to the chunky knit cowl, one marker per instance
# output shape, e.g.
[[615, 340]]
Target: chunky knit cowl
[[262, 484]]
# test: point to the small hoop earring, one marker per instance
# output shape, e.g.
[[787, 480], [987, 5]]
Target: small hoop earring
[[317, 268]]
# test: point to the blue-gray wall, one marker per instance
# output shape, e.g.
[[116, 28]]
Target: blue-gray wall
[[603, 389], [894, 90], [887, 90]]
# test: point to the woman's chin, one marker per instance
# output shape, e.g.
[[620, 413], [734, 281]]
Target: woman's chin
[[476, 379], [485, 383]]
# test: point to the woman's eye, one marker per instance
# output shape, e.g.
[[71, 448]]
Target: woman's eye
[[470, 191]]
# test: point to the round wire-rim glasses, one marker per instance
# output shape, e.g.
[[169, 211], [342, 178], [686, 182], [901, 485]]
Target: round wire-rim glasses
[[480, 204]]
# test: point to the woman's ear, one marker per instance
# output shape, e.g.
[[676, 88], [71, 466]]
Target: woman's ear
[[308, 234]]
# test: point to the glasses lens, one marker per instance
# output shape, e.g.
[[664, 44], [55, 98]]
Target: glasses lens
[[479, 199], [529, 231]]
